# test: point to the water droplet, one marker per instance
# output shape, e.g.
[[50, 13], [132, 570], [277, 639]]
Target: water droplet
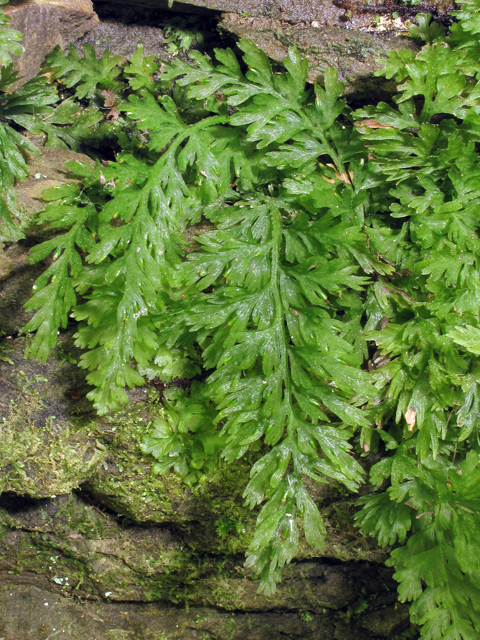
[[34, 286]]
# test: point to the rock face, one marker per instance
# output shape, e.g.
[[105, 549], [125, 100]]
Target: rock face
[[356, 54], [287, 10], [353, 36], [46, 23], [82, 514], [49, 613]]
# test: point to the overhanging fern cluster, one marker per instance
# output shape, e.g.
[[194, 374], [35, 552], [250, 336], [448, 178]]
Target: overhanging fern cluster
[[332, 295]]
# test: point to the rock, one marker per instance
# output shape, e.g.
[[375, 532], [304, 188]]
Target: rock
[[44, 451], [16, 289], [122, 39], [293, 11], [17, 276], [6, 264], [46, 171], [53, 443], [69, 546], [386, 622], [42, 613], [126, 536], [356, 54], [46, 23], [350, 35]]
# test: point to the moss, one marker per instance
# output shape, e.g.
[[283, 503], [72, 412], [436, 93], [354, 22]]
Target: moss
[[127, 484], [121, 563], [42, 455]]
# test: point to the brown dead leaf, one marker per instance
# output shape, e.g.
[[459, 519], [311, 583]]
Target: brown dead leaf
[[372, 124], [111, 103], [410, 417], [348, 179], [110, 98]]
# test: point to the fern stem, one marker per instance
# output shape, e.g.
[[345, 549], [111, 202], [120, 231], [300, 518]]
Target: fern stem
[[277, 236]]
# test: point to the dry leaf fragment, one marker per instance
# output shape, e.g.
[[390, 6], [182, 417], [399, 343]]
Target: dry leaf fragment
[[411, 417], [340, 176], [372, 124], [111, 103], [110, 99]]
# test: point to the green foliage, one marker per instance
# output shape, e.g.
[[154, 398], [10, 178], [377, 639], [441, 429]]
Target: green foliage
[[426, 29], [184, 437], [86, 73], [331, 300], [182, 34], [269, 297], [426, 326]]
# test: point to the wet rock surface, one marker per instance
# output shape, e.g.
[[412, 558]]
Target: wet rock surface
[[46, 171], [57, 549], [17, 275], [82, 515], [53, 614]]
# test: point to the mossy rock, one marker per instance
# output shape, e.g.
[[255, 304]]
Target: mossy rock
[[72, 547], [45, 450]]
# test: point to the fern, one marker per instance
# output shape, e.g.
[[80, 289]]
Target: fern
[[273, 284], [428, 414], [86, 73], [330, 302], [184, 437]]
